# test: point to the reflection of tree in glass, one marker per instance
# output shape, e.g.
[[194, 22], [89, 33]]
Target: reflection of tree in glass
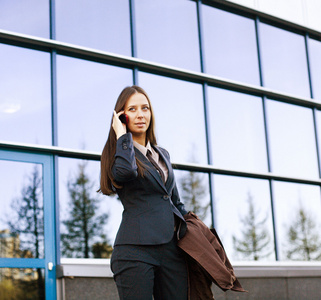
[[20, 284], [84, 225], [303, 237], [192, 193], [255, 240], [26, 222]]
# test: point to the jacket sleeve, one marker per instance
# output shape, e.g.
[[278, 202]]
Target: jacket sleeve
[[125, 168]]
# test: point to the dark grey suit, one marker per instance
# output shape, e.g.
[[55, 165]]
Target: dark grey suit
[[145, 250]]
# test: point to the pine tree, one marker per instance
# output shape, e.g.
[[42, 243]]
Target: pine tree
[[255, 240], [26, 224], [303, 238], [84, 224], [192, 192]]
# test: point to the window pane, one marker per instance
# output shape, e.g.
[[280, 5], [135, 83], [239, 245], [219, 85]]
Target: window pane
[[22, 283], [28, 17], [99, 24], [193, 188], [87, 93], [315, 64], [292, 140], [179, 114], [88, 221], [318, 125], [230, 45], [284, 61], [166, 32], [21, 218], [298, 220], [243, 218], [237, 130], [25, 104]]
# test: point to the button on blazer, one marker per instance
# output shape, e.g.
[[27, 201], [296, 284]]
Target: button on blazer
[[149, 204]]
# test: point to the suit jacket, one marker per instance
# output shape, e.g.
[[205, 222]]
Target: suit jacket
[[207, 260], [149, 204]]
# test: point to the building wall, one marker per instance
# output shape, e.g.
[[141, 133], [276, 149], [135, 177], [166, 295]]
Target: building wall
[[236, 93]]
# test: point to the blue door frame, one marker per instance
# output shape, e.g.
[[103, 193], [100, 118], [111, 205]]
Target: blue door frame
[[49, 262]]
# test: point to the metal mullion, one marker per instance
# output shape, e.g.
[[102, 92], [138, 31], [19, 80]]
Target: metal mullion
[[205, 109], [132, 23], [273, 220], [200, 35]]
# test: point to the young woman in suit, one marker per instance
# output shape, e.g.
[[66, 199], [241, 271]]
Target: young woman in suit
[[146, 261]]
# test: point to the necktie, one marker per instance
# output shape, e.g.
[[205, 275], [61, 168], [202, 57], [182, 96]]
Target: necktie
[[149, 156]]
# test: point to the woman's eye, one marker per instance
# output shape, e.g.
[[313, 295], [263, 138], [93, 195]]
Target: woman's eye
[[131, 109], [145, 108]]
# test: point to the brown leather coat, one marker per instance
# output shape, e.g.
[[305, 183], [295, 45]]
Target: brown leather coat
[[207, 261]]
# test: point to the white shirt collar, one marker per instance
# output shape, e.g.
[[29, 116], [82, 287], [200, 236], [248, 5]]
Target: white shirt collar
[[143, 149]]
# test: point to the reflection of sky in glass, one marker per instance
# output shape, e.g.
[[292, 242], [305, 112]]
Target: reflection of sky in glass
[[25, 99], [87, 93], [230, 45], [284, 61], [315, 65], [201, 192], [230, 205], [68, 169], [237, 130], [166, 32], [179, 114], [99, 24], [289, 198], [318, 127], [292, 140], [28, 16], [14, 177]]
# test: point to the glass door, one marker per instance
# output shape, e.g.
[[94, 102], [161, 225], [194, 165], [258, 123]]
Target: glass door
[[27, 226]]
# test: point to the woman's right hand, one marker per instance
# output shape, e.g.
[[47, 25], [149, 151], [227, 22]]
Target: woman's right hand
[[118, 126]]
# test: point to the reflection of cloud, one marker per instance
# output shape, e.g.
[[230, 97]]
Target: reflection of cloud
[[9, 108]]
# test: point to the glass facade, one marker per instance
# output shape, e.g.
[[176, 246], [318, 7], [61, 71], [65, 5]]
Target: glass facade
[[220, 83]]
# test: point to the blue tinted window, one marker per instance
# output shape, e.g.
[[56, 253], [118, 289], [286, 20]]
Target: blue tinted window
[[27, 16], [242, 207], [25, 104], [22, 210], [315, 66], [194, 192], [87, 93], [284, 61], [297, 213], [230, 45], [292, 140], [236, 130], [166, 32], [73, 194], [179, 114], [99, 24]]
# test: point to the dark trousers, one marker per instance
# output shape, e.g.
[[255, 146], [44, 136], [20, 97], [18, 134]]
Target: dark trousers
[[143, 271]]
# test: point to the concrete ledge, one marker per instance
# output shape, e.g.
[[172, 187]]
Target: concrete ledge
[[101, 268]]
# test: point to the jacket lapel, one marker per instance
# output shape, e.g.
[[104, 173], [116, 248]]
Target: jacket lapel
[[150, 168], [170, 180]]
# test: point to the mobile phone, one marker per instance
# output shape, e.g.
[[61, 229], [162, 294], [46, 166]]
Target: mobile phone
[[123, 118]]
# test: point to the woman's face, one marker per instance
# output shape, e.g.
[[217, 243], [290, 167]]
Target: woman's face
[[138, 110]]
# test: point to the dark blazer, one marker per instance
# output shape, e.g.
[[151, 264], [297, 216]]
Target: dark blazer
[[149, 204]]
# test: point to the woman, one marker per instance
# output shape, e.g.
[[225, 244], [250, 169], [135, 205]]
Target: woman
[[146, 261]]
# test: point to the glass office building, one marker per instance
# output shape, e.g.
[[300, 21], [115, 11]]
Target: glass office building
[[236, 94]]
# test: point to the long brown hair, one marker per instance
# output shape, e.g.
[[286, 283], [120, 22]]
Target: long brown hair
[[107, 182]]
